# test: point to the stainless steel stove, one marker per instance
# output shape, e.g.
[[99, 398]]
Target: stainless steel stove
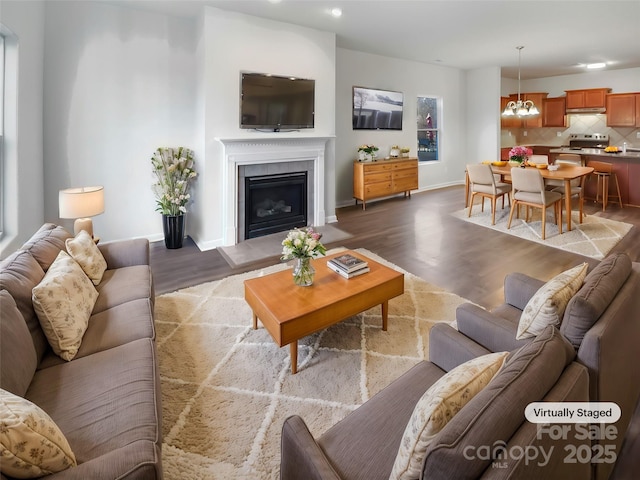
[[578, 141]]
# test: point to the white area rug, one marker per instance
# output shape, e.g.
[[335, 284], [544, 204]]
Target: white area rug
[[226, 388], [594, 237]]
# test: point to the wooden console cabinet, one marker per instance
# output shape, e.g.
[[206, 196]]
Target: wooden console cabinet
[[384, 178]]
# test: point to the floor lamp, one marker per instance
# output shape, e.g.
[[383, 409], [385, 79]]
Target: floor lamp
[[80, 204]]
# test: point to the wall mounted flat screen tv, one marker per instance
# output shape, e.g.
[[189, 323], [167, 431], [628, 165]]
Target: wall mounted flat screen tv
[[376, 109], [276, 103]]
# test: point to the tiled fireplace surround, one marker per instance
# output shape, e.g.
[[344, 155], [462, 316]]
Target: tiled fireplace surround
[[268, 156]]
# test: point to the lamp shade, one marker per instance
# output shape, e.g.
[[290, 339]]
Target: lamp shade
[[81, 202]]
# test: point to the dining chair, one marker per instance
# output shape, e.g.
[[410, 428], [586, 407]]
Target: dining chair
[[544, 159], [577, 185], [569, 158], [483, 183], [529, 190]]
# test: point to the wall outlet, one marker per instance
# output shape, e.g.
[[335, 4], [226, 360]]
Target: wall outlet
[[558, 134], [637, 134], [525, 133]]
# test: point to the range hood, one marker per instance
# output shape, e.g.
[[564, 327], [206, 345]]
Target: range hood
[[586, 110]]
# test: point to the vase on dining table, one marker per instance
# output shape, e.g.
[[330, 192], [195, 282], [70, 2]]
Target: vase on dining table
[[303, 272]]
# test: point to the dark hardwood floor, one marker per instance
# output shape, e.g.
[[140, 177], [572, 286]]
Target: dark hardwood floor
[[419, 235]]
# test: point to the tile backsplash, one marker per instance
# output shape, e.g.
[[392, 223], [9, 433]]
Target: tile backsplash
[[596, 123]]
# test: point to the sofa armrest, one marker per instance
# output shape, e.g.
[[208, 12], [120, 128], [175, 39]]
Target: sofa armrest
[[301, 456], [141, 459], [125, 253], [449, 348], [519, 288], [494, 333]]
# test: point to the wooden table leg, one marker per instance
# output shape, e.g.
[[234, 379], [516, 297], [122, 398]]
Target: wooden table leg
[[385, 315], [255, 321], [293, 355], [466, 189], [567, 199]]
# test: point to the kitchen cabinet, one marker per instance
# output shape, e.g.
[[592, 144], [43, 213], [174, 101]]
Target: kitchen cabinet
[[384, 178], [522, 122], [509, 122], [541, 150], [537, 99], [586, 98], [553, 112], [621, 109]]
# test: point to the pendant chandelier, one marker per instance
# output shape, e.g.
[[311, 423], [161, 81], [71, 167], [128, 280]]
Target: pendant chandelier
[[520, 108]]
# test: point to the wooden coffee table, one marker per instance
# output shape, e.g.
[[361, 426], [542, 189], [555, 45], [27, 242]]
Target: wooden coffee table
[[290, 312]]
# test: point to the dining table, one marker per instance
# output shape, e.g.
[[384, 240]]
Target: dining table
[[565, 172]]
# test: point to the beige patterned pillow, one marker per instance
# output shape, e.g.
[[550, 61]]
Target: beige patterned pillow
[[63, 301], [438, 406], [31, 444], [548, 304], [84, 250]]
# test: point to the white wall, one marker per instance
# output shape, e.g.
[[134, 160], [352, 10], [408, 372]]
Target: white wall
[[232, 43], [412, 79], [483, 132], [23, 197], [119, 84]]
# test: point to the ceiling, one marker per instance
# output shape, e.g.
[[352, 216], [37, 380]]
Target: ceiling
[[558, 36]]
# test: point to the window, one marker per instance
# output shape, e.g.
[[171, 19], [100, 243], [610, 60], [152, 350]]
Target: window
[[428, 129]]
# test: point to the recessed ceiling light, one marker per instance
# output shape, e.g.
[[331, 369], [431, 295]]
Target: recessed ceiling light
[[336, 12], [596, 65], [275, 1]]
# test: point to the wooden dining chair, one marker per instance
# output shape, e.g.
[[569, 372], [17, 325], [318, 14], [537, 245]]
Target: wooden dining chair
[[529, 190], [577, 185], [483, 183], [544, 159]]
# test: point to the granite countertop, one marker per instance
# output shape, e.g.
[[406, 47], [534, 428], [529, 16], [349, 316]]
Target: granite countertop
[[598, 152]]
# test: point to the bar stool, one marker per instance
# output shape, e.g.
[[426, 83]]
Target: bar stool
[[603, 171]]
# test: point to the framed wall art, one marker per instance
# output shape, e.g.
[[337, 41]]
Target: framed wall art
[[377, 109]]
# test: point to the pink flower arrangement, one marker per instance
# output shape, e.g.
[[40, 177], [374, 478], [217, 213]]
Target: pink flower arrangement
[[520, 154]]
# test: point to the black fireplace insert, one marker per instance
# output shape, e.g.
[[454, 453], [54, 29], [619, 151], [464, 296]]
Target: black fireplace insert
[[275, 203]]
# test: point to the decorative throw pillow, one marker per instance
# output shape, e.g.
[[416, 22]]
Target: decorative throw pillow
[[547, 305], [84, 250], [438, 406], [31, 444], [63, 301]]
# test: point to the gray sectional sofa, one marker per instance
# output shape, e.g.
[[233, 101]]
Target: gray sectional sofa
[[107, 399], [590, 358], [601, 321]]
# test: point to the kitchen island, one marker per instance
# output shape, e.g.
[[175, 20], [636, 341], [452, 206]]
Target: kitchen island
[[625, 165]]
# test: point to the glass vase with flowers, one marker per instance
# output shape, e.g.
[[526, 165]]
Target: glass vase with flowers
[[301, 245]]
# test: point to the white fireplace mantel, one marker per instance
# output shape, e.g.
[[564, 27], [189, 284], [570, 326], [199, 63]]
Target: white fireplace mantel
[[255, 151]]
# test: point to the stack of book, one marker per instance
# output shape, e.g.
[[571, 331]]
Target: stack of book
[[348, 266]]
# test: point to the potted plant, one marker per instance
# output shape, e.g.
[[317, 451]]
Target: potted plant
[[370, 150], [405, 151], [173, 169]]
